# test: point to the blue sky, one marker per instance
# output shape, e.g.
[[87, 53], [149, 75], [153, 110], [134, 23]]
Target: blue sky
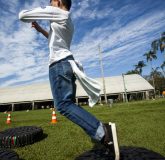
[[123, 28]]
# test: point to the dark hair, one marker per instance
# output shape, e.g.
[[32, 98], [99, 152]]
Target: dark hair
[[67, 3]]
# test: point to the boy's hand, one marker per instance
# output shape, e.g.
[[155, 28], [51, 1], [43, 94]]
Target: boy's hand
[[36, 26], [40, 29]]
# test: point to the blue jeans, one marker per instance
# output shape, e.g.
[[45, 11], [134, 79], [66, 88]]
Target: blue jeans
[[62, 82]]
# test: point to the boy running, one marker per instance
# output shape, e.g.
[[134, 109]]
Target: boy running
[[61, 76]]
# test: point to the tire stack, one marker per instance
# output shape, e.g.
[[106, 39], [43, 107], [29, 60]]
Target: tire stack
[[8, 155], [20, 136]]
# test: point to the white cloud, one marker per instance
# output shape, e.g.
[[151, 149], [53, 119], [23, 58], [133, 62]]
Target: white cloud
[[23, 56], [86, 9]]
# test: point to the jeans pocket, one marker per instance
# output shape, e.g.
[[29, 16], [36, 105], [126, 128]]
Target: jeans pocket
[[67, 70]]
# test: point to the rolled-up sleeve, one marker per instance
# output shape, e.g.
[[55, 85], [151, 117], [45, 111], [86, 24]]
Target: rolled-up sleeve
[[48, 13]]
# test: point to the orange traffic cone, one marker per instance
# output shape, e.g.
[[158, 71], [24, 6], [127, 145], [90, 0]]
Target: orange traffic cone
[[54, 119], [8, 121]]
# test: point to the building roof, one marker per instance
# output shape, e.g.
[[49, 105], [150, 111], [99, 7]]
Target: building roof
[[41, 91]]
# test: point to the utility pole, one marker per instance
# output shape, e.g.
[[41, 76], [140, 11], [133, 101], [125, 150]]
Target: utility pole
[[153, 82], [125, 90], [102, 72]]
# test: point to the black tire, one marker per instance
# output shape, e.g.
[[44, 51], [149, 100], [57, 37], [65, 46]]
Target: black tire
[[130, 153], [126, 153], [8, 155], [20, 136]]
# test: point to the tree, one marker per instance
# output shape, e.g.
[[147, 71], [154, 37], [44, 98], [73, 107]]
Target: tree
[[159, 80], [155, 72], [162, 67], [132, 72], [149, 57], [139, 67], [159, 44]]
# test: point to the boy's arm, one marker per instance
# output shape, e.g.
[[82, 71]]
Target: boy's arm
[[40, 29], [48, 13]]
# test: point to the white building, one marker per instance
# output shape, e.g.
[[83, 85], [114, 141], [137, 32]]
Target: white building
[[36, 93]]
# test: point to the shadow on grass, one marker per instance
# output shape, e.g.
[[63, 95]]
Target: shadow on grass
[[42, 137], [126, 153]]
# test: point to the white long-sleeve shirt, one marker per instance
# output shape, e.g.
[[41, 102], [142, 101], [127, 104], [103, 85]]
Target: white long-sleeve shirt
[[61, 29]]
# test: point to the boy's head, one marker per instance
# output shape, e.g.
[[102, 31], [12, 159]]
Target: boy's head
[[63, 4]]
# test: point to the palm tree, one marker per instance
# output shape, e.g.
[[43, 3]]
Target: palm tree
[[139, 67], [159, 44], [162, 67], [162, 42], [149, 57], [155, 72]]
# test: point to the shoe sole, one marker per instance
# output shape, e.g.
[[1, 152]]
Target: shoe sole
[[115, 141]]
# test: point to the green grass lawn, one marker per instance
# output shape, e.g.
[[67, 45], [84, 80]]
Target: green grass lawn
[[140, 124]]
